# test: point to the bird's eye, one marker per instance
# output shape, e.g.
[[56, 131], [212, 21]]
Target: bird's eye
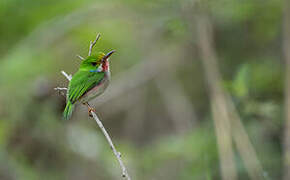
[[94, 63]]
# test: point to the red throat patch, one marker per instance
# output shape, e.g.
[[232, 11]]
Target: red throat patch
[[105, 65]]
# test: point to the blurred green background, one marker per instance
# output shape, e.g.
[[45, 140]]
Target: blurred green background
[[158, 109]]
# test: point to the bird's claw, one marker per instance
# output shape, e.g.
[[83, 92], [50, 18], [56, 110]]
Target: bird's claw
[[90, 110]]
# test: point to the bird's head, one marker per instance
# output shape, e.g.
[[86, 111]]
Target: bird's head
[[98, 62]]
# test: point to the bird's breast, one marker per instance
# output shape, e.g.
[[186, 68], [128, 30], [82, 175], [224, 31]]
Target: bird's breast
[[97, 90]]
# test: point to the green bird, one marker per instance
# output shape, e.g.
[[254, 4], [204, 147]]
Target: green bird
[[88, 82]]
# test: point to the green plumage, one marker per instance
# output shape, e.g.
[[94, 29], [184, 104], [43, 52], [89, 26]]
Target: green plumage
[[85, 79], [68, 110], [82, 82]]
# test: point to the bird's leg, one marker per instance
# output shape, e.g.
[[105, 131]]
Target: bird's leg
[[90, 109]]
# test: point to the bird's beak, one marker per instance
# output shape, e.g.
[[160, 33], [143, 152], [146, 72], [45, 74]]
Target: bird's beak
[[108, 55]]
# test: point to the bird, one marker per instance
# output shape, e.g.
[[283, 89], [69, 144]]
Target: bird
[[90, 81]]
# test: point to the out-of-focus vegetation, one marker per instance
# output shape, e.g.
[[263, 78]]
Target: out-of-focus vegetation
[[158, 106]]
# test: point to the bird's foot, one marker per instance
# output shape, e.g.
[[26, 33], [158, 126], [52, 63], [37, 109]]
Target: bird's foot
[[90, 110]]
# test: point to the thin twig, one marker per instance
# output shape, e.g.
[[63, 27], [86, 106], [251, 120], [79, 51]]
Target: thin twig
[[60, 89], [66, 75], [116, 153], [92, 44], [79, 56]]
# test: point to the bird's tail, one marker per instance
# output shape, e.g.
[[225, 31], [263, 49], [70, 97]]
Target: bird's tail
[[68, 110]]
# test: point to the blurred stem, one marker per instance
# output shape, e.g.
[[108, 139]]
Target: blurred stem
[[244, 145], [286, 48], [218, 103], [226, 118]]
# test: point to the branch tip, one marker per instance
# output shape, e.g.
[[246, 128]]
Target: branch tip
[[93, 43]]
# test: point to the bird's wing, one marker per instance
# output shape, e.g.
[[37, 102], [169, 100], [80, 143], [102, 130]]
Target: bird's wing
[[82, 82]]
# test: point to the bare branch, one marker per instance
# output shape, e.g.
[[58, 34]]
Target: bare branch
[[93, 43], [80, 57], [116, 153]]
